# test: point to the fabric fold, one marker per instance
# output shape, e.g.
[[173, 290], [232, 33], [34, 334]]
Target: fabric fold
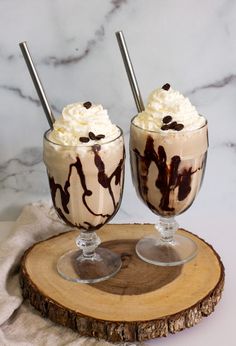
[[21, 324]]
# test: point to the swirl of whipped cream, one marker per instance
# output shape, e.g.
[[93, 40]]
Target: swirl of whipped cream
[[164, 102], [80, 119]]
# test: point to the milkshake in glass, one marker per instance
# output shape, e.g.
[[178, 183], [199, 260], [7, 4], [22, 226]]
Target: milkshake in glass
[[84, 155], [168, 149]]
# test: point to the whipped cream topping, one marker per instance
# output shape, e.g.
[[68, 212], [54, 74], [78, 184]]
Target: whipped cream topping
[[168, 110], [83, 124]]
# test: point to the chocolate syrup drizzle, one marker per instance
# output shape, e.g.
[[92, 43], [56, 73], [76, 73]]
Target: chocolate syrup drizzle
[[103, 180], [168, 177]]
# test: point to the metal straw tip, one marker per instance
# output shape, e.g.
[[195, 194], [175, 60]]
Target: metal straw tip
[[23, 43]]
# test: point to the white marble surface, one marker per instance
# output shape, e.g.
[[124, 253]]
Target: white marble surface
[[187, 43], [190, 44]]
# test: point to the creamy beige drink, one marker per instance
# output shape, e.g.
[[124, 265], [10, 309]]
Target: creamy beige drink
[[84, 156], [168, 148]]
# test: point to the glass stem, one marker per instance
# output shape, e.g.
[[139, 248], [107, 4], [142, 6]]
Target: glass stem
[[88, 242], [167, 226]]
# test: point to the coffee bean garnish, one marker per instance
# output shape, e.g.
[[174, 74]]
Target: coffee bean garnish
[[165, 127], [100, 137], [178, 127], [172, 125], [84, 139], [167, 119], [87, 104], [166, 86], [92, 136]]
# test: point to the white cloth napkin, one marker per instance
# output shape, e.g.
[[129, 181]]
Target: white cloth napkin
[[21, 324]]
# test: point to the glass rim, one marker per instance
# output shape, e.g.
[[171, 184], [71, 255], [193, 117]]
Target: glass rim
[[164, 133], [84, 145]]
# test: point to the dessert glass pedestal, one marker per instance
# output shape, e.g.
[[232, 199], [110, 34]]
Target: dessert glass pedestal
[[167, 172], [86, 183]]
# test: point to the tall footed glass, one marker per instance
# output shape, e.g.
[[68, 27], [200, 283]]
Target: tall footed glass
[[167, 171], [86, 183]]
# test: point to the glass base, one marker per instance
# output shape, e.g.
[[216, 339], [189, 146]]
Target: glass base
[[179, 251], [73, 266]]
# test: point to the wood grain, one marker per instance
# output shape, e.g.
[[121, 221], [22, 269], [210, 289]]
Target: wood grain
[[141, 302]]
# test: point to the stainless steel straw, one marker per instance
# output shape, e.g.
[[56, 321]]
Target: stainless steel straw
[[37, 83], [130, 71]]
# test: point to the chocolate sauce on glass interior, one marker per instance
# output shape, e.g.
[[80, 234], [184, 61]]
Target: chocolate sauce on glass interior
[[102, 178], [171, 178]]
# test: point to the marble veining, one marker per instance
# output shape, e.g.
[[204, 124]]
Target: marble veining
[[16, 174], [72, 59], [18, 92], [73, 44], [99, 35], [217, 84], [231, 145]]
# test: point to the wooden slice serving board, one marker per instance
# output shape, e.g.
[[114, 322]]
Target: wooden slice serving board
[[141, 302]]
